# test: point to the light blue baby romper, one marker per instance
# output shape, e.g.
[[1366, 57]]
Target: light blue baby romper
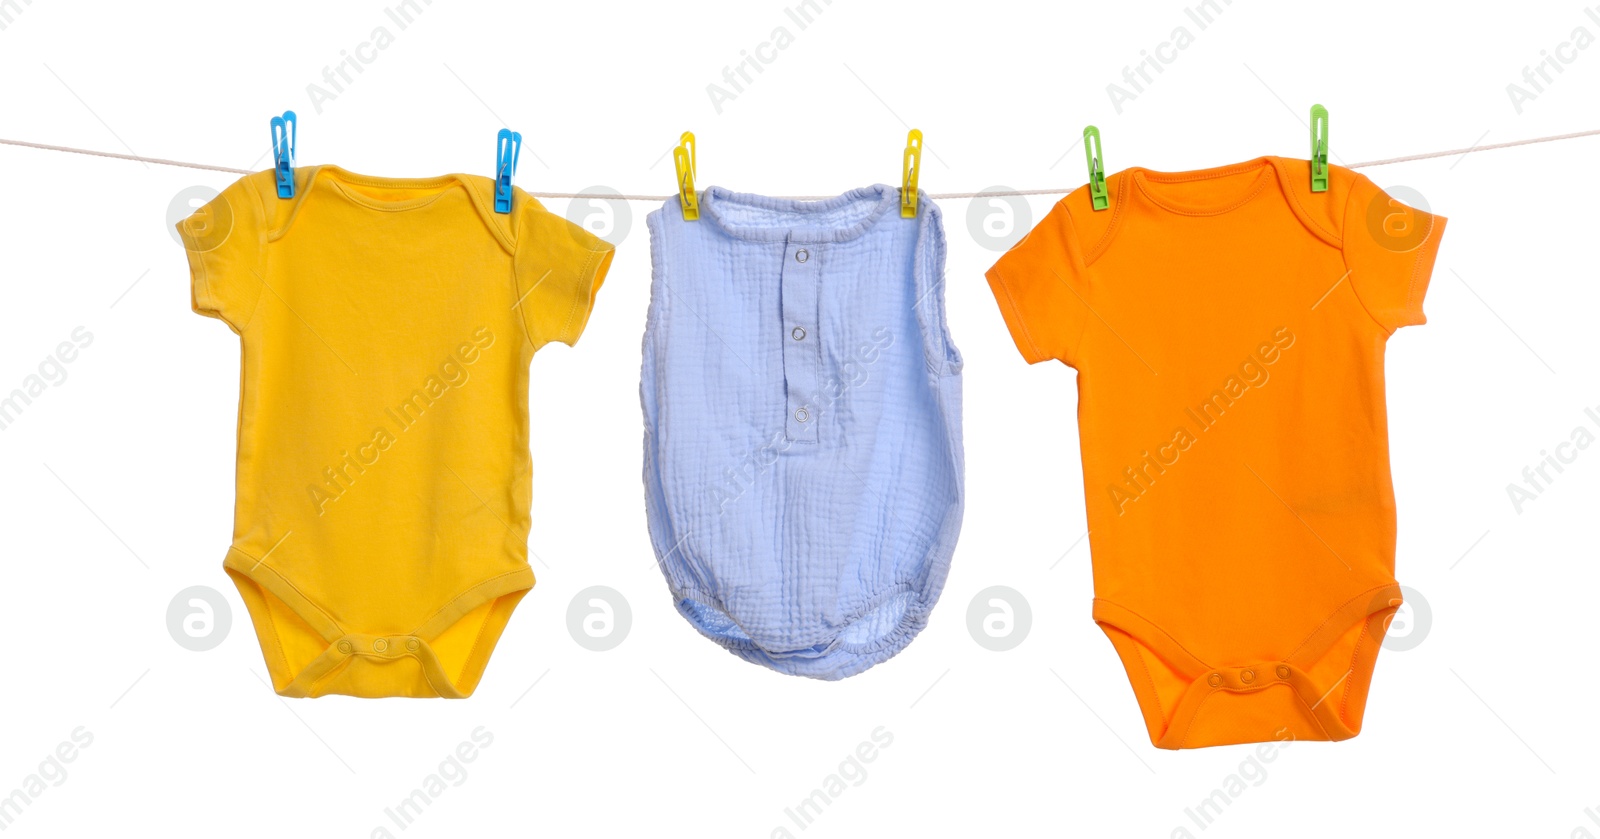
[[802, 413]]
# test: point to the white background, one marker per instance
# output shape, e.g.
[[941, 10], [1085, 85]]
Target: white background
[[117, 489]]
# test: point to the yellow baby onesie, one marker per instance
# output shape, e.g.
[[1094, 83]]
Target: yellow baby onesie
[[383, 483]]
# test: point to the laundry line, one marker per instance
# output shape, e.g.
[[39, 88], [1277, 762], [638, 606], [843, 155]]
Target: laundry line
[[934, 195]]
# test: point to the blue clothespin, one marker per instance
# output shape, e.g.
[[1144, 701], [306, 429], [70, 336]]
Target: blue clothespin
[[508, 147], [285, 130]]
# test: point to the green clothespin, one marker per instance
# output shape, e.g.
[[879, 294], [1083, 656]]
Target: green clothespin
[[1097, 168], [1319, 148]]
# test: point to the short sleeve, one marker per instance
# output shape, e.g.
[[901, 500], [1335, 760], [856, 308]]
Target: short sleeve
[[1389, 249], [1039, 285], [559, 268], [225, 243]]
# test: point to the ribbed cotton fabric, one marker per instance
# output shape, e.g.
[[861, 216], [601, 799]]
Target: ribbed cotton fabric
[[802, 412]]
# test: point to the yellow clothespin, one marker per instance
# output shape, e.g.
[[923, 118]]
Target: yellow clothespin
[[910, 168], [683, 159]]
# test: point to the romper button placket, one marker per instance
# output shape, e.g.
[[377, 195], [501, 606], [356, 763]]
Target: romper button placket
[[799, 309]]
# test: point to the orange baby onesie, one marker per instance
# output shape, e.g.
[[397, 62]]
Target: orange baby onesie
[[1228, 328]]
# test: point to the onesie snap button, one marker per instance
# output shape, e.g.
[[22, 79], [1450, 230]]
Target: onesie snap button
[[1283, 671], [1247, 676], [799, 333], [802, 414], [1215, 680], [801, 255], [346, 647], [380, 645], [413, 644]]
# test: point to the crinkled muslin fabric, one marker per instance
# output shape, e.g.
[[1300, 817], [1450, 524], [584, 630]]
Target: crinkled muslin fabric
[[802, 412]]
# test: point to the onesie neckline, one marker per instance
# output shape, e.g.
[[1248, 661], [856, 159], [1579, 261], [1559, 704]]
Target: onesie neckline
[[713, 200], [1265, 167], [338, 176]]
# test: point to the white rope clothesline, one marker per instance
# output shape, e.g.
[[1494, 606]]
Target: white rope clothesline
[[935, 195]]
